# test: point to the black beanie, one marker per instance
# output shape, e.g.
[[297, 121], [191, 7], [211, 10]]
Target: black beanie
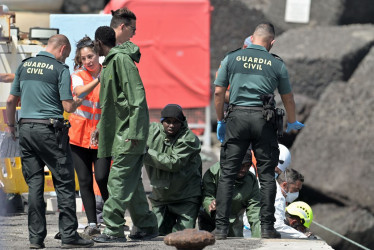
[[174, 111]]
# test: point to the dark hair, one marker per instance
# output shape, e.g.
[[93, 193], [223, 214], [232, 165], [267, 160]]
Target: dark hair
[[292, 176], [295, 217], [266, 27], [120, 16], [106, 35], [85, 42]]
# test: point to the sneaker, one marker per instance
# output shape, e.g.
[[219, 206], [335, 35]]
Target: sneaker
[[105, 238], [58, 236], [36, 246], [90, 231], [78, 243], [270, 234], [143, 235]]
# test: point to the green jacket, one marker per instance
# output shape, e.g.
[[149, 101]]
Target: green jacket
[[124, 111], [173, 164], [246, 198]]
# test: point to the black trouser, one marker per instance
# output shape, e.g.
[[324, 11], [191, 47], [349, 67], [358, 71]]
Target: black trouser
[[39, 147], [83, 159], [243, 127]]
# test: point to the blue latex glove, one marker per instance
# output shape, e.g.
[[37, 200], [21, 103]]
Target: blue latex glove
[[295, 125], [221, 130]]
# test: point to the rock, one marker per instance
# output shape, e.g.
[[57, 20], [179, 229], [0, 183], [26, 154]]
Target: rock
[[190, 239], [322, 13], [315, 57], [335, 150], [355, 223], [304, 106], [83, 6], [232, 22]]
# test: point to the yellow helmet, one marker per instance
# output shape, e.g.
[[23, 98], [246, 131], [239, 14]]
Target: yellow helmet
[[301, 210]]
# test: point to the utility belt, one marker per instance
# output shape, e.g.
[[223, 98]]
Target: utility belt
[[60, 126]]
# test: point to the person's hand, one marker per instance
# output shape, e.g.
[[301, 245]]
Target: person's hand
[[95, 138], [78, 101], [310, 236], [221, 130], [12, 131], [212, 206], [294, 126], [134, 143]]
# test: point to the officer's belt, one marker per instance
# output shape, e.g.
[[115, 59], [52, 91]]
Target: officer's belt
[[247, 107], [41, 121]]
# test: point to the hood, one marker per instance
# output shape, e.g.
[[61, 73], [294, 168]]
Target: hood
[[127, 48]]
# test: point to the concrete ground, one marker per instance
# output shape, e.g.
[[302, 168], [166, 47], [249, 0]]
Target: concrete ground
[[14, 235], [14, 231]]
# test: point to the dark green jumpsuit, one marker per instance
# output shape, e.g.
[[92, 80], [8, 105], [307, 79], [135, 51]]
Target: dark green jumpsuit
[[174, 168], [246, 199], [124, 117]]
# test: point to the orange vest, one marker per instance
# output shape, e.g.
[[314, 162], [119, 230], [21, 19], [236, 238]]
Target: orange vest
[[86, 117]]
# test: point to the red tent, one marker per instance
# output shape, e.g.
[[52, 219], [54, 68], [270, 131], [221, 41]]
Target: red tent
[[173, 36]]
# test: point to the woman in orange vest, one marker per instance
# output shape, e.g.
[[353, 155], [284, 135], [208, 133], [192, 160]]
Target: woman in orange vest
[[86, 85]]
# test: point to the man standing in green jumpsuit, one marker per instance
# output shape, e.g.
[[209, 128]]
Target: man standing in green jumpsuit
[[43, 83], [252, 73], [174, 167], [246, 199], [123, 133]]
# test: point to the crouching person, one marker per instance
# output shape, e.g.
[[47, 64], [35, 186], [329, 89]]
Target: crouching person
[[174, 168], [246, 199], [299, 216]]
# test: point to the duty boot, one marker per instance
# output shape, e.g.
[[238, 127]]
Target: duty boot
[[77, 243], [37, 246], [269, 233], [220, 234]]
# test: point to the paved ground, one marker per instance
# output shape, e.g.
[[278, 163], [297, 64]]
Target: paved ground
[[14, 235], [14, 232]]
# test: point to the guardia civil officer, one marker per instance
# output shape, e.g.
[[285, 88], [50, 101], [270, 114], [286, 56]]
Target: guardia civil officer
[[253, 74], [43, 84]]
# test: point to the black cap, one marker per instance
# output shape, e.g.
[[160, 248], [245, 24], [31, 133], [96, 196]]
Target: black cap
[[174, 111]]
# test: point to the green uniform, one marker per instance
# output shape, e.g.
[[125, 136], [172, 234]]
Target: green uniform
[[246, 198], [43, 82], [251, 72], [124, 115], [174, 168]]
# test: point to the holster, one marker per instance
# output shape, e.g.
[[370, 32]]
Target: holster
[[227, 112], [272, 114], [62, 132], [279, 113], [268, 104]]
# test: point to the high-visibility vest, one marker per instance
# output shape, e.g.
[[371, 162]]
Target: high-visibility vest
[[86, 117]]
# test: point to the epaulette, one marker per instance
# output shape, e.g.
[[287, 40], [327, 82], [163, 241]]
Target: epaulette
[[24, 60], [64, 64], [276, 56], [233, 51]]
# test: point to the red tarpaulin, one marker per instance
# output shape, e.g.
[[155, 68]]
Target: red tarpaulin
[[173, 36]]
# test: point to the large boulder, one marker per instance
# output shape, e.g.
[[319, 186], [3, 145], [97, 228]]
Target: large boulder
[[335, 150], [315, 57], [355, 223], [322, 12], [232, 22]]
